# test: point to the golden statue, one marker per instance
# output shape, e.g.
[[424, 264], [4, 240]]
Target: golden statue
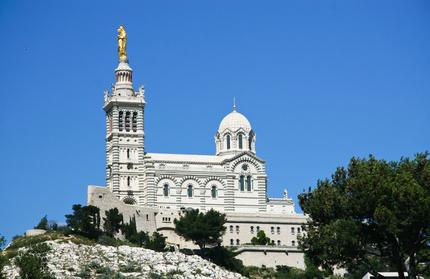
[[122, 43]]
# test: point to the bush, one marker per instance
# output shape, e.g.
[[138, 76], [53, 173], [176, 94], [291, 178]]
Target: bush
[[156, 242], [261, 239], [223, 257], [32, 263]]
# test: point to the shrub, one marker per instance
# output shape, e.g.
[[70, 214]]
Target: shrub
[[223, 257], [32, 263], [261, 239]]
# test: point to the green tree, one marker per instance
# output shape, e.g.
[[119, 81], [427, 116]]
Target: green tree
[[373, 208], [261, 239], [201, 228], [43, 223], [85, 220], [113, 222], [156, 242]]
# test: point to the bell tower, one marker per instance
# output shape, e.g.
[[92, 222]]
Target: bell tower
[[124, 109]]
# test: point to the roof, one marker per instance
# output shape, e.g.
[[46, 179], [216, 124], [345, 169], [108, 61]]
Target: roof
[[234, 121]]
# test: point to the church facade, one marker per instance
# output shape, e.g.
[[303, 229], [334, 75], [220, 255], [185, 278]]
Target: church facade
[[156, 188]]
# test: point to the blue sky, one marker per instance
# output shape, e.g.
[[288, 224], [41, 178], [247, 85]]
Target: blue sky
[[320, 81]]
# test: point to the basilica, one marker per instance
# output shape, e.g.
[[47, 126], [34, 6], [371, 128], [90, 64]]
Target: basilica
[[156, 188]]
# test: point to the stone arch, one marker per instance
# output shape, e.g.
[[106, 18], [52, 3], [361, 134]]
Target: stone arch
[[248, 160], [190, 177], [213, 178], [168, 177]]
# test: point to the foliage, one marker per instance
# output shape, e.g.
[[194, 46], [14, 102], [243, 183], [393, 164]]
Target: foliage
[[202, 228], [372, 209], [3, 258], [223, 257], [156, 242], [43, 223], [32, 263], [85, 220], [112, 223], [261, 239]]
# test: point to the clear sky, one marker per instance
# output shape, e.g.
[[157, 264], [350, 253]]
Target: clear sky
[[320, 82]]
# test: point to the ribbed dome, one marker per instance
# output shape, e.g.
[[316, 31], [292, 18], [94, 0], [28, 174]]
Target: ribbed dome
[[234, 121]]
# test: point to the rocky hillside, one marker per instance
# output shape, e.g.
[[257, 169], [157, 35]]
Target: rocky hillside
[[70, 260]]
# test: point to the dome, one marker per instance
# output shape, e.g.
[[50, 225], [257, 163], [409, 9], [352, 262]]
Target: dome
[[234, 121]]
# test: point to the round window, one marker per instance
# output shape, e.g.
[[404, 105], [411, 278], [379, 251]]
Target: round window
[[245, 167]]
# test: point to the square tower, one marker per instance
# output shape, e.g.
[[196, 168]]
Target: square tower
[[124, 109]]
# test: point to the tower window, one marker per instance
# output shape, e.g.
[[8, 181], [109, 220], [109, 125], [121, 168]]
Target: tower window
[[214, 191], [242, 183], [248, 183], [128, 153], [240, 141], [128, 181], [121, 120], [134, 122], [127, 121], [190, 191], [166, 190], [228, 138]]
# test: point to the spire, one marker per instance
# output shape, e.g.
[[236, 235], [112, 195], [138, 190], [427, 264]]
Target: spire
[[123, 73], [234, 103]]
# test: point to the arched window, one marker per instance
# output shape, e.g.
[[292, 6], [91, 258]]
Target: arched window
[[242, 183], [231, 229], [258, 228], [214, 191], [190, 191], [166, 190], [248, 183], [231, 242], [293, 243], [128, 153], [278, 230], [292, 231], [240, 141], [228, 138], [121, 120], [298, 230], [279, 243], [252, 229], [127, 121], [250, 138], [272, 230], [134, 121], [237, 229], [237, 242], [128, 181]]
